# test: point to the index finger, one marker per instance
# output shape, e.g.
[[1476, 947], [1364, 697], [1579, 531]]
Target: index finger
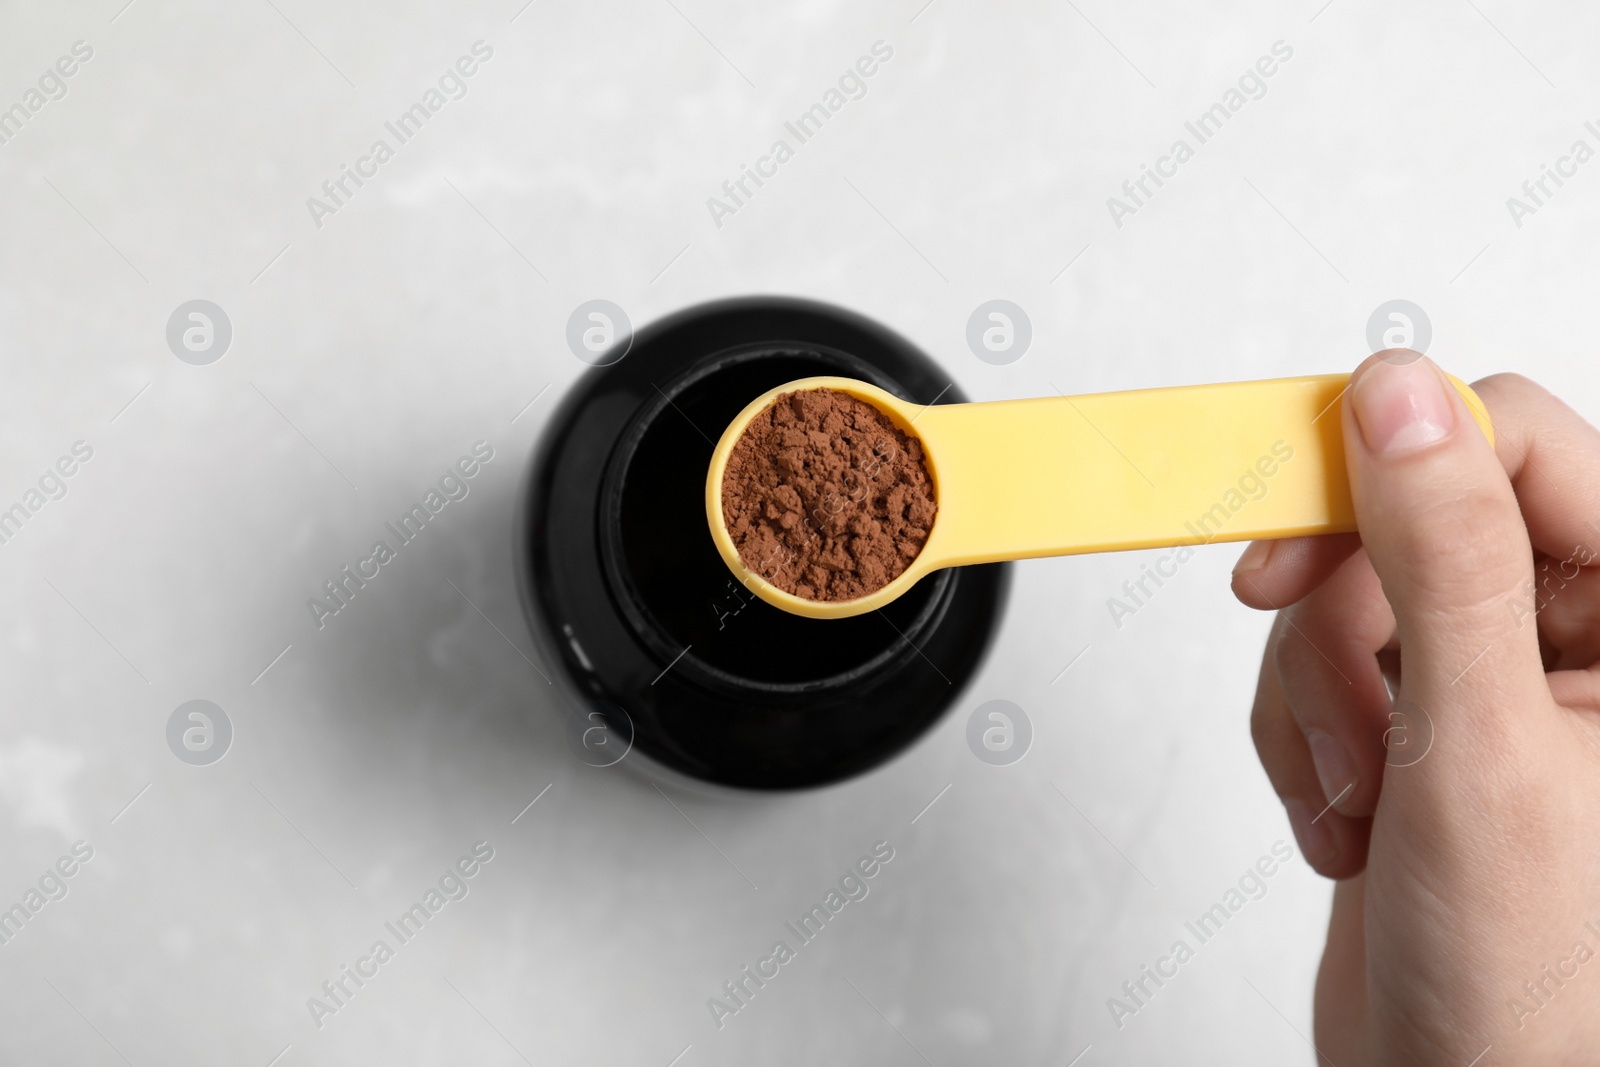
[[1549, 452], [1552, 457]]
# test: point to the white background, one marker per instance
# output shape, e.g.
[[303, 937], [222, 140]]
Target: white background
[[370, 352]]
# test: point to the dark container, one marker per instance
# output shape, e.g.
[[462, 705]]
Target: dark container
[[630, 602]]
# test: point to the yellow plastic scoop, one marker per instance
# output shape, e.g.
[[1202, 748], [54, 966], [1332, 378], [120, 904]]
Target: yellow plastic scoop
[[1016, 479]]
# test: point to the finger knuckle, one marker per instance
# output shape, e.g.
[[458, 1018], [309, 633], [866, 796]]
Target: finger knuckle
[[1508, 385], [1294, 654], [1463, 546], [1263, 732]]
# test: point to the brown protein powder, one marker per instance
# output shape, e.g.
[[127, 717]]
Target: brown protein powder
[[825, 497]]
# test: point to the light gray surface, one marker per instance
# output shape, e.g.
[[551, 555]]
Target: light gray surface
[[421, 318]]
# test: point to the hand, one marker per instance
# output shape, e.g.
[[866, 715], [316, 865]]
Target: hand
[[1462, 818]]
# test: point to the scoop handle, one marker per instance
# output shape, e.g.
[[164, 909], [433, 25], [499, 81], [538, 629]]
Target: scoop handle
[[1142, 469]]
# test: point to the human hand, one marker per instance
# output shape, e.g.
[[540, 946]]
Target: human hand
[[1462, 818]]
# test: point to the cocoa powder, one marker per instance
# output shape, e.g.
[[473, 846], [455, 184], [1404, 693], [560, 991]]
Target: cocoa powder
[[825, 497]]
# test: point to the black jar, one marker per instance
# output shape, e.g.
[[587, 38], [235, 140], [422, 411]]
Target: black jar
[[631, 604]]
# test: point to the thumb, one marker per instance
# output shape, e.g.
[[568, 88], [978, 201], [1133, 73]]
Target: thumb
[[1441, 525]]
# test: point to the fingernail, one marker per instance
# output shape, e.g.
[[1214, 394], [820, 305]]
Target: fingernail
[[1334, 771], [1402, 406], [1314, 838], [1255, 557]]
